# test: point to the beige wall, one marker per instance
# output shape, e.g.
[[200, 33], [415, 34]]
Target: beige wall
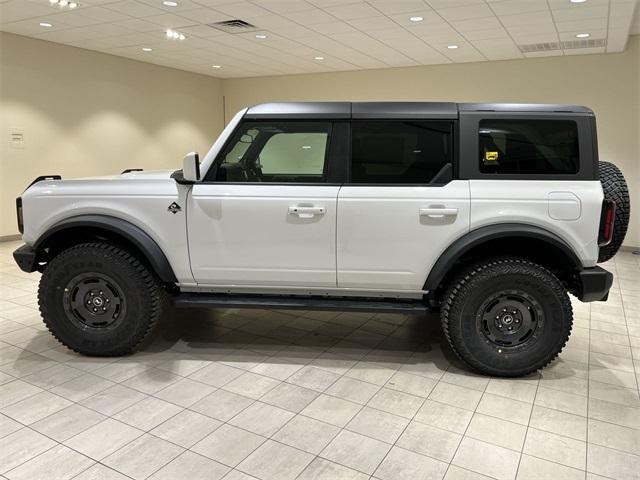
[[609, 84], [85, 113]]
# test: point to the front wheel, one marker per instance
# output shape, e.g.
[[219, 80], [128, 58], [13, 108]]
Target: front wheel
[[507, 317], [98, 299]]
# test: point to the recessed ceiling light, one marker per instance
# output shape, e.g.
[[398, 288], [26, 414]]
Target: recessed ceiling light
[[261, 36], [578, 1], [167, 3], [46, 24], [452, 47], [583, 35], [147, 49], [318, 58], [216, 66], [173, 35], [416, 19], [64, 3]]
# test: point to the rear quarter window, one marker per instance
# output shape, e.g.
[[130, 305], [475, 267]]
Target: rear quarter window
[[528, 146]]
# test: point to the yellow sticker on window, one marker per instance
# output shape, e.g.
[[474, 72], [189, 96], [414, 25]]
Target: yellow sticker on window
[[490, 156]]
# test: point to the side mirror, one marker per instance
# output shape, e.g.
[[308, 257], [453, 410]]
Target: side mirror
[[191, 167]]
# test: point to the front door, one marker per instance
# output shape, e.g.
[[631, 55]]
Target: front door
[[265, 214], [402, 206]]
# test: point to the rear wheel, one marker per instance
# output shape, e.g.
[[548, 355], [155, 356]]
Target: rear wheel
[[98, 299], [507, 317], [614, 187]]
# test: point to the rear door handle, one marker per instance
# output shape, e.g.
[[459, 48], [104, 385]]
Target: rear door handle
[[438, 212], [305, 211]]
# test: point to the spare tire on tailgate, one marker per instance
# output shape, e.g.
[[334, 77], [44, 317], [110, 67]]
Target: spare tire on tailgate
[[615, 188]]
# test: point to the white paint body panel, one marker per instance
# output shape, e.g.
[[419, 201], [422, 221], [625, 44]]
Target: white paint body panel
[[331, 240], [140, 198], [384, 241], [243, 234], [546, 204]]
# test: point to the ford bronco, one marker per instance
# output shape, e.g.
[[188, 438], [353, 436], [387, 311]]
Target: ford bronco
[[489, 213]]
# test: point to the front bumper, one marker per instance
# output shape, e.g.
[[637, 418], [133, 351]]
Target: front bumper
[[25, 257], [593, 284]]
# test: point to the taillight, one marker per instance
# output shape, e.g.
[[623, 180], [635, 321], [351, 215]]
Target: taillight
[[19, 214], [607, 219]]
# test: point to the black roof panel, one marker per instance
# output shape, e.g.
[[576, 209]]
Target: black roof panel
[[394, 110], [521, 107], [300, 110], [404, 110]]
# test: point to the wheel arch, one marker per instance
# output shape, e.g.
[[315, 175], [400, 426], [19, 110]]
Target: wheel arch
[[81, 228], [527, 241]]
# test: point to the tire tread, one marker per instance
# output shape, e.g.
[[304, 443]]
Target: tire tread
[[150, 286], [462, 285]]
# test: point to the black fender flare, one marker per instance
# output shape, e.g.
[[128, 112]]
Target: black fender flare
[[130, 232], [491, 232]]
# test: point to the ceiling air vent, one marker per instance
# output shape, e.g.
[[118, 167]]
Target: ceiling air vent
[[584, 43], [539, 47], [567, 45], [234, 26]]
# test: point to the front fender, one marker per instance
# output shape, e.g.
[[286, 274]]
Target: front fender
[[118, 227]]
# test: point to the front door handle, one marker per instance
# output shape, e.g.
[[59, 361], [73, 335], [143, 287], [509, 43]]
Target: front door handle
[[306, 211], [438, 212]]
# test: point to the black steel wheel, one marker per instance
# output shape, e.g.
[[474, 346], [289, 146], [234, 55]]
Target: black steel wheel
[[507, 317], [99, 299], [94, 300], [511, 319]]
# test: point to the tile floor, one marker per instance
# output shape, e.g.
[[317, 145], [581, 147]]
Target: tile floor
[[276, 396]]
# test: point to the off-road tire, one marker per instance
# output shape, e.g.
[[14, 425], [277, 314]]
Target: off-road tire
[[615, 188], [464, 325], [141, 299]]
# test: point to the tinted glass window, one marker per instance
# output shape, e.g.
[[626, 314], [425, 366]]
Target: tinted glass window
[[276, 152], [401, 152], [528, 146]]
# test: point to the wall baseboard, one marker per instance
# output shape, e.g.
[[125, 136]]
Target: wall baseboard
[[9, 238], [626, 248]]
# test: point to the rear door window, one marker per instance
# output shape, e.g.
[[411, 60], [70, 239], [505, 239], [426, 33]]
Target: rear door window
[[401, 152]]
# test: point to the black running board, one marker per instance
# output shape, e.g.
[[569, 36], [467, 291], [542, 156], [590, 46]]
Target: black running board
[[213, 300]]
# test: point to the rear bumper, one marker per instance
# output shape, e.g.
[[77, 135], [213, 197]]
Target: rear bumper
[[593, 284], [25, 257]]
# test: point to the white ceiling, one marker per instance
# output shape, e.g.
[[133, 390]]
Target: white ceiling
[[349, 34]]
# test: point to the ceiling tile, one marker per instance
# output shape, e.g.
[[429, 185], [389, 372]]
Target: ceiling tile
[[391, 7], [465, 12], [242, 10], [134, 9], [349, 34], [518, 7], [353, 11]]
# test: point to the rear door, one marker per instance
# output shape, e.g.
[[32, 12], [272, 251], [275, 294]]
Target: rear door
[[266, 213], [402, 206]]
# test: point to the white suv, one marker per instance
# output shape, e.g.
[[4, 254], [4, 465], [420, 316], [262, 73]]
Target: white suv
[[489, 212]]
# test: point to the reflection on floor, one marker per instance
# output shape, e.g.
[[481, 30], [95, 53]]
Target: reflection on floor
[[313, 395]]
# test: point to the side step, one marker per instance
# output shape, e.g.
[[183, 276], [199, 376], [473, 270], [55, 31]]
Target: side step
[[213, 300]]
